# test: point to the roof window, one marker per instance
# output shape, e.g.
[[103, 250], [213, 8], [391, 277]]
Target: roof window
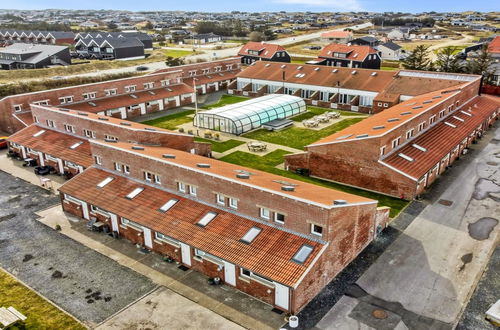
[[76, 145], [206, 219], [168, 205], [105, 182], [408, 158], [302, 254], [37, 134], [134, 193], [251, 234]]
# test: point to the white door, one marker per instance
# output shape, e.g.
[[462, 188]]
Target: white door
[[147, 237], [281, 296], [186, 254], [85, 209], [114, 222], [229, 273]]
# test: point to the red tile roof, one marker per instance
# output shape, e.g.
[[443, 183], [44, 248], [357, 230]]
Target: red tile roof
[[307, 192], [55, 144], [442, 138], [99, 105], [355, 53], [211, 78], [268, 255], [494, 46], [266, 50]]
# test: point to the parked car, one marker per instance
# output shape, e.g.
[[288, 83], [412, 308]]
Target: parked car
[[3, 142], [44, 170], [142, 68]]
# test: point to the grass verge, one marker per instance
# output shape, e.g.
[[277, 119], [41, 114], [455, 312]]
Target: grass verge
[[225, 100], [221, 146], [269, 162], [39, 312], [297, 137], [171, 121]]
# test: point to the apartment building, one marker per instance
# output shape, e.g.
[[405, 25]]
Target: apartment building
[[402, 150]]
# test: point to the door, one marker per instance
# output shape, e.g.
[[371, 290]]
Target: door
[[85, 209], [186, 254], [229, 273], [281, 296], [147, 237]]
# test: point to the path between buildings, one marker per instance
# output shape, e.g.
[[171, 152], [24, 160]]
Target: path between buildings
[[426, 277]]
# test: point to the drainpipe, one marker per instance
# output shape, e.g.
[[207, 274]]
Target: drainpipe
[[481, 85]]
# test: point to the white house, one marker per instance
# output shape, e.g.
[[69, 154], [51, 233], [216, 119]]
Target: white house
[[391, 51]]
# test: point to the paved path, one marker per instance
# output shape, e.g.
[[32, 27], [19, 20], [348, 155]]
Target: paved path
[[425, 278]]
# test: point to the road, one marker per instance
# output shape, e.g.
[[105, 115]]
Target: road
[[425, 278], [216, 54]]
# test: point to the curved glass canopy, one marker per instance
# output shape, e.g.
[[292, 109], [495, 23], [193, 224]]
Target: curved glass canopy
[[245, 116]]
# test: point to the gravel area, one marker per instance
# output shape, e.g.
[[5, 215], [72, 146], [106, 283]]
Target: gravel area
[[88, 285]]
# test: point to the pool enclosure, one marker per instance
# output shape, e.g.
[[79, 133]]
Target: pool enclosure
[[245, 116]]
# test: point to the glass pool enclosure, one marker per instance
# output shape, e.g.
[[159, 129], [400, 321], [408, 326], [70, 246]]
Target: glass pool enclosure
[[245, 116]]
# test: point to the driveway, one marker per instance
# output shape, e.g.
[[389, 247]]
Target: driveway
[[426, 277], [84, 283]]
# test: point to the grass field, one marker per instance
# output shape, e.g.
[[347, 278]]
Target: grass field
[[314, 111], [171, 121], [225, 100], [177, 52], [269, 162], [40, 313], [221, 146], [388, 68], [298, 138]]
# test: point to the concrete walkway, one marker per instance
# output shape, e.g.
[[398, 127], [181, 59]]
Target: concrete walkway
[[221, 305], [425, 278]]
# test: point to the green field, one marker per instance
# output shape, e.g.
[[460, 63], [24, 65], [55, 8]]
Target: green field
[[225, 100], [177, 52], [171, 121], [40, 313], [269, 162], [297, 137], [221, 146], [314, 111]]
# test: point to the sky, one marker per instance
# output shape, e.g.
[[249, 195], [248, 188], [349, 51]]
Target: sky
[[263, 5]]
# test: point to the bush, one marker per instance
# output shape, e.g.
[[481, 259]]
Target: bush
[[181, 130], [58, 227]]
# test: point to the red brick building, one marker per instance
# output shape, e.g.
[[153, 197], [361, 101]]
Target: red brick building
[[401, 151], [124, 98]]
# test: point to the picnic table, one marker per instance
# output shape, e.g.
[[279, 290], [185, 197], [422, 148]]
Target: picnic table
[[310, 123], [10, 316], [323, 118], [333, 114], [256, 146]]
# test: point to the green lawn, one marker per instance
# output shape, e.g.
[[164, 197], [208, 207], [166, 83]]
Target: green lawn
[[171, 121], [269, 162], [314, 111], [297, 137], [221, 146], [388, 68], [225, 100], [177, 52], [40, 313]]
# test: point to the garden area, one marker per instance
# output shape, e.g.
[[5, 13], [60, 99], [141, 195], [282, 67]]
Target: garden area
[[269, 162], [40, 313], [225, 100], [221, 146], [172, 121]]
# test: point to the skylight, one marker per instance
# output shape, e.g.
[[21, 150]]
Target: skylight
[[168, 205], [37, 134], [344, 136], [302, 254], [105, 182], [76, 145], [408, 158], [374, 74], [335, 70], [134, 193], [419, 147], [466, 113], [206, 219], [450, 124], [459, 119], [251, 234]]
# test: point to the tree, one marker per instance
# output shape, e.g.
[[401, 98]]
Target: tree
[[112, 26], [448, 61], [149, 25], [481, 64], [256, 36], [270, 35], [174, 61], [418, 59]]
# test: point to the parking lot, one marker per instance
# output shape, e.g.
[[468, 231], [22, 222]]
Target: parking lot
[[83, 282]]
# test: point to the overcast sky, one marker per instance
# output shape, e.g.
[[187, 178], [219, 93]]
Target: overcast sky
[[263, 5]]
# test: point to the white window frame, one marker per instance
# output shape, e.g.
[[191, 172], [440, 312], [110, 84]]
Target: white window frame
[[88, 133], [51, 123], [110, 92], [18, 107], [263, 211], [382, 150], [148, 85], [396, 142], [193, 190], [130, 89], [110, 137], [181, 186], [98, 160], [314, 232], [69, 128], [233, 203], [220, 199], [276, 218]]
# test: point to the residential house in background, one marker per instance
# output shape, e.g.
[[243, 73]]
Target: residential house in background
[[142, 37], [349, 56], [259, 51], [340, 37], [8, 37], [110, 48], [366, 41], [29, 56], [200, 39], [399, 34], [391, 51]]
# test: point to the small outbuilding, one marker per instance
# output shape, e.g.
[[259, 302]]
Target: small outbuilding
[[248, 115]]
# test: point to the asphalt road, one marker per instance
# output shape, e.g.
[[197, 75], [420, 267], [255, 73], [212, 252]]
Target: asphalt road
[[88, 285]]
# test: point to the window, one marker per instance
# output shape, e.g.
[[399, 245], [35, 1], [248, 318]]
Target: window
[[110, 92], [89, 133], [90, 95], [105, 182], [18, 107], [233, 203], [44, 102], [150, 177], [193, 190], [265, 213], [279, 218], [206, 219], [316, 230], [251, 234], [396, 142], [134, 193], [168, 205], [110, 138], [130, 89], [98, 160], [245, 272], [386, 105], [165, 82], [69, 128], [51, 123], [441, 113], [382, 150], [379, 104], [221, 200], [148, 85], [302, 254], [167, 239], [66, 99], [432, 120], [118, 167], [421, 126], [132, 224], [409, 134], [181, 186], [76, 145], [126, 169], [192, 73]]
